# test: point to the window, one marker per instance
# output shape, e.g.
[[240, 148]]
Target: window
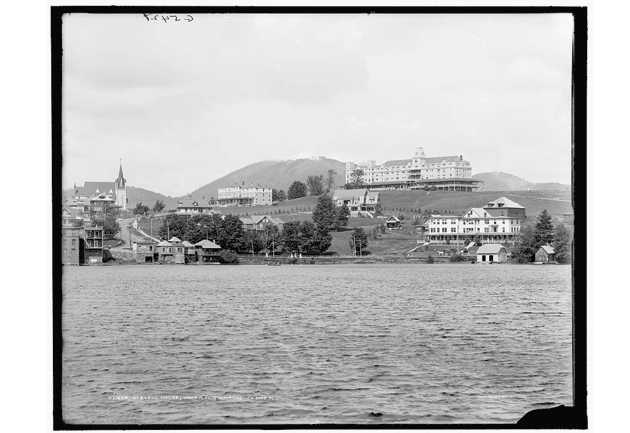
[[453, 229], [444, 230]]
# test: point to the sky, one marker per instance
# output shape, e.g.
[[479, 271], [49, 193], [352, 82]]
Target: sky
[[183, 103]]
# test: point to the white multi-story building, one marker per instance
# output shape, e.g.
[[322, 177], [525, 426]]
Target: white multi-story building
[[244, 196], [448, 173], [498, 221]]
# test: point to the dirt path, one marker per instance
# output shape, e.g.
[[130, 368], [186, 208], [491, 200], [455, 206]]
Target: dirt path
[[128, 236]]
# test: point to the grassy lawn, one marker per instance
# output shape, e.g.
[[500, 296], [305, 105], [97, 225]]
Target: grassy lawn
[[459, 202]]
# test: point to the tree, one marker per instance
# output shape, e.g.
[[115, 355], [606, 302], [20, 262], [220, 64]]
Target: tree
[[230, 232], [141, 209], [430, 259], [271, 237], [562, 244], [252, 241], [330, 180], [296, 190], [544, 229], [278, 195], [358, 240], [174, 225], [342, 215], [228, 257], [324, 213], [356, 177], [315, 184], [158, 206], [290, 239], [525, 248], [313, 240]]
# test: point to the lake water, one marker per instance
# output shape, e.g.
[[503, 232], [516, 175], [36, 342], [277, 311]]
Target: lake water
[[437, 343]]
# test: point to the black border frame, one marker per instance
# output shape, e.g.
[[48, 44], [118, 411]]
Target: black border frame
[[574, 417]]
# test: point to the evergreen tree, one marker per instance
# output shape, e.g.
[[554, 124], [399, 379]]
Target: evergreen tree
[[313, 240], [358, 240], [562, 244], [324, 213], [526, 246], [342, 215], [544, 229]]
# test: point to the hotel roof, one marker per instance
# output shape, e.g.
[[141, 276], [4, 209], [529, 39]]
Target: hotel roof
[[439, 159], [396, 162]]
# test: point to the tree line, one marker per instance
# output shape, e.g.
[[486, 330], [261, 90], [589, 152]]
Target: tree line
[[315, 185], [300, 237], [543, 232]]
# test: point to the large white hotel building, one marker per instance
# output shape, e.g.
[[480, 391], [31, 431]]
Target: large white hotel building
[[445, 173], [244, 196]]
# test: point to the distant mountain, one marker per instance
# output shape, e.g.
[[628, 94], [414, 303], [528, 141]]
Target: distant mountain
[[274, 174], [499, 181], [137, 195]]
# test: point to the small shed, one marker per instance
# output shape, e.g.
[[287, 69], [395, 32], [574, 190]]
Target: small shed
[[545, 254], [491, 253], [392, 223]]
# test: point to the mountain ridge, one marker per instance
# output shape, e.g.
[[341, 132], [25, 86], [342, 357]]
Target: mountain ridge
[[500, 181], [280, 174]]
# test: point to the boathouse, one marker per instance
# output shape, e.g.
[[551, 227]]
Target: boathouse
[[189, 252], [491, 253], [143, 252], [207, 251], [545, 254]]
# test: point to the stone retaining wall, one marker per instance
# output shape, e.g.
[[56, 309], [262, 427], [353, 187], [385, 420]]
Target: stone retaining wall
[[123, 256]]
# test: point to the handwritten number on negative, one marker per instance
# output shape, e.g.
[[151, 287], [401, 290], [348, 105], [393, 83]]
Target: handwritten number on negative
[[166, 18]]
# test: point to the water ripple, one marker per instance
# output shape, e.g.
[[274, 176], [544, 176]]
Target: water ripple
[[314, 344]]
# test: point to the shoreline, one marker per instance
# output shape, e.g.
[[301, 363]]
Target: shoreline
[[320, 261]]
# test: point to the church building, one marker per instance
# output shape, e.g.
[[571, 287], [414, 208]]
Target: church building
[[116, 190]]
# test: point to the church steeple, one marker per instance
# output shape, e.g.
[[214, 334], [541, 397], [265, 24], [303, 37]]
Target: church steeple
[[121, 181]]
